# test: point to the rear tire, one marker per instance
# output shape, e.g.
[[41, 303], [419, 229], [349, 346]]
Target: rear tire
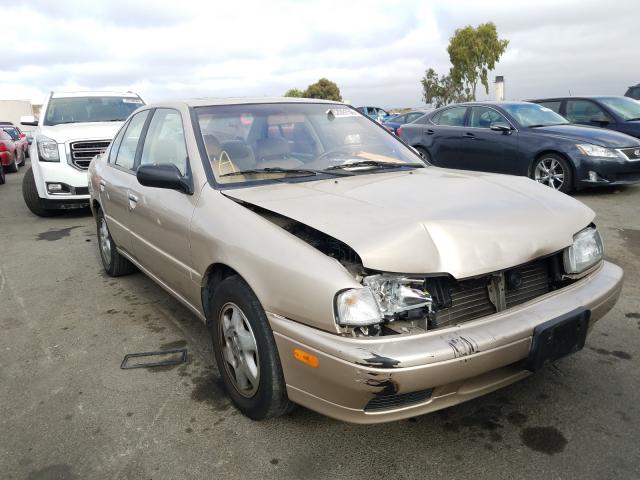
[[13, 168], [114, 264], [423, 153], [246, 352], [1, 175], [31, 198]]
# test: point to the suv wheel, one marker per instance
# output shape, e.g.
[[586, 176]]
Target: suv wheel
[[246, 352], [31, 198], [553, 171], [114, 264]]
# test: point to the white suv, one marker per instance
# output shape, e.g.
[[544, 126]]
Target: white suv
[[73, 128]]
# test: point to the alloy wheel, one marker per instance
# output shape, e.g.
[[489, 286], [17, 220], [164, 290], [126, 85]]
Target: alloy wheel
[[105, 242], [239, 350], [550, 172]]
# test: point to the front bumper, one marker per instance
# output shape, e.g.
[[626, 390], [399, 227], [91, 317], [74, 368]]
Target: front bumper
[[610, 171], [457, 363]]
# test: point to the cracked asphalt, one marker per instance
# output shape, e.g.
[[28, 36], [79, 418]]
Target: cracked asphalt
[[67, 410]]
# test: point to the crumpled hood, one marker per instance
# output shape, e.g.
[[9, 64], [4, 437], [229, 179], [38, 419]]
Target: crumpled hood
[[70, 132], [431, 220], [595, 135]]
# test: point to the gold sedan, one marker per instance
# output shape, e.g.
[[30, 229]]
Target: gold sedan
[[337, 270]]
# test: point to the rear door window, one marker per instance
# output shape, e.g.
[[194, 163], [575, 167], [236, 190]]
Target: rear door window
[[452, 117], [129, 143]]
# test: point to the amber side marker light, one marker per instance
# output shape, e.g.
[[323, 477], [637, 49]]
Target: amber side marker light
[[306, 357]]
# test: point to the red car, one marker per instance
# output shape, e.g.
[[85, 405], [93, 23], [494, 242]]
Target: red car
[[19, 138], [11, 154]]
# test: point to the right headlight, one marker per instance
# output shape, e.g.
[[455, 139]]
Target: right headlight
[[384, 297], [47, 149], [597, 151], [586, 251]]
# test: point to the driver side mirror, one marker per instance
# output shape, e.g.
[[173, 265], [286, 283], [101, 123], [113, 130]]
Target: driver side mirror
[[29, 120], [500, 127], [601, 120], [164, 175]]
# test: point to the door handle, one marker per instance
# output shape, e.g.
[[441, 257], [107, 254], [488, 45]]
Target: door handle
[[428, 131], [102, 185], [470, 135], [133, 201]]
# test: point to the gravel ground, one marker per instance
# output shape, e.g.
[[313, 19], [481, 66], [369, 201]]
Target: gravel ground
[[67, 411]]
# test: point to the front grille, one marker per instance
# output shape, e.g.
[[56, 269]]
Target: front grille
[[631, 153], [457, 302], [383, 402], [83, 152]]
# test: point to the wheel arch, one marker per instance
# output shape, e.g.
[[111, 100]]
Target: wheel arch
[[214, 274]]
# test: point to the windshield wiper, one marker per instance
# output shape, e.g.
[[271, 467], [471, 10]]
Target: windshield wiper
[[632, 119], [305, 172], [374, 164]]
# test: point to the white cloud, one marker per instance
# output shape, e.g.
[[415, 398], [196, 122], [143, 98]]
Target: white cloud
[[376, 51]]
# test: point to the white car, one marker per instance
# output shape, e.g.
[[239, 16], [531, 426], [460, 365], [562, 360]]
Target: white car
[[73, 128]]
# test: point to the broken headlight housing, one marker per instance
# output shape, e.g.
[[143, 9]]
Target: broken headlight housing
[[586, 251], [397, 294]]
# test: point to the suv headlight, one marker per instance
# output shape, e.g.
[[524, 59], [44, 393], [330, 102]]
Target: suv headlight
[[586, 251], [47, 149], [597, 151]]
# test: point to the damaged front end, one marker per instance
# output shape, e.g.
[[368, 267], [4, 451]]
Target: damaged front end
[[409, 304]]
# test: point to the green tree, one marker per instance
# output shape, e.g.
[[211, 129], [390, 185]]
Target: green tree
[[324, 89], [473, 53], [440, 90], [294, 92]]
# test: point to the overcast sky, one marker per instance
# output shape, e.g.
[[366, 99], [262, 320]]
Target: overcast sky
[[376, 51]]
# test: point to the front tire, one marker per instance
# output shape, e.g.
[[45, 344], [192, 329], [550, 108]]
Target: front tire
[[246, 352], [23, 159], [553, 171], [31, 197], [114, 264]]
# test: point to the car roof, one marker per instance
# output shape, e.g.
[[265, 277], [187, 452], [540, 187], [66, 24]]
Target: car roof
[[208, 102], [577, 97], [92, 94]]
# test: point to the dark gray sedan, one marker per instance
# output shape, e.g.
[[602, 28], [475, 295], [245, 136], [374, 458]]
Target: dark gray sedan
[[522, 138]]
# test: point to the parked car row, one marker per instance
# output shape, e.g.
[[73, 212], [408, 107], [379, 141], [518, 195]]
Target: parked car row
[[13, 149], [554, 141]]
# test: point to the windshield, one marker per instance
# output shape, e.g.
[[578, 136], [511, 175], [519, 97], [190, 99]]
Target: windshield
[[533, 115], [626, 107], [13, 133], [90, 109], [303, 140]]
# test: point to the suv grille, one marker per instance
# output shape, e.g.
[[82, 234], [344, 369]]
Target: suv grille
[[83, 152]]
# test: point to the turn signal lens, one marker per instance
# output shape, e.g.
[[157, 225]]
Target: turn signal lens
[[306, 357]]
